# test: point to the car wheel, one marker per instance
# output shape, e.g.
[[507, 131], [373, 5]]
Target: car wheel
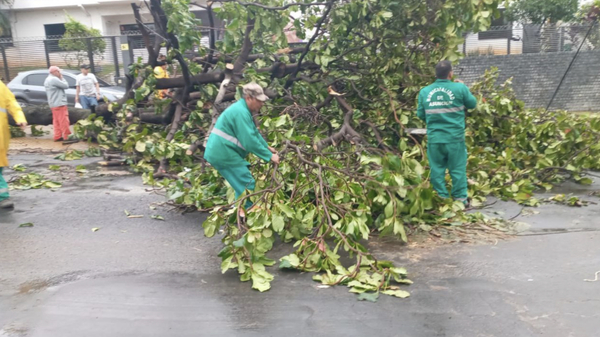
[[23, 103]]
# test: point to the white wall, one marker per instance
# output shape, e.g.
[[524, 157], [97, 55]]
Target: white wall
[[493, 46], [30, 23], [36, 4], [105, 15]]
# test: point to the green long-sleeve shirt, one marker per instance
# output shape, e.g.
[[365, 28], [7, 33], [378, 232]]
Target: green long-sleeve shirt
[[442, 106], [234, 137]]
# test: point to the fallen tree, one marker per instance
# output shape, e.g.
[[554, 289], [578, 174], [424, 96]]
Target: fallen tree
[[341, 106], [42, 115]]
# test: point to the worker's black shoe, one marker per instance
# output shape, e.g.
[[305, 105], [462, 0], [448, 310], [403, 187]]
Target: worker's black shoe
[[7, 205], [466, 202]]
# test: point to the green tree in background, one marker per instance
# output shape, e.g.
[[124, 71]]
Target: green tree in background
[[546, 13], [541, 11], [75, 43], [4, 20]]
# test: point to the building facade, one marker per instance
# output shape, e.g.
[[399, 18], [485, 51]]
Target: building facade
[[39, 19]]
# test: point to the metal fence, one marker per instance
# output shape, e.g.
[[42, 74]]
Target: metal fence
[[528, 38], [103, 54], [109, 56]]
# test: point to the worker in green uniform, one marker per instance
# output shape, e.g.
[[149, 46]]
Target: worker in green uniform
[[442, 105], [234, 136]]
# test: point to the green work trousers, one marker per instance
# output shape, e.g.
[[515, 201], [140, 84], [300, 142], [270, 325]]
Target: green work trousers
[[240, 179], [451, 157], [3, 186]]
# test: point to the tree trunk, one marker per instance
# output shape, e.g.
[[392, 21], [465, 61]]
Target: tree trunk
[[42, 115]]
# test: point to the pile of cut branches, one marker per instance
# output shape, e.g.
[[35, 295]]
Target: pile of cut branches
[[341, 106]]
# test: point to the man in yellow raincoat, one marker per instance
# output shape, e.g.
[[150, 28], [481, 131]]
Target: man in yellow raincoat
[[8, 105]]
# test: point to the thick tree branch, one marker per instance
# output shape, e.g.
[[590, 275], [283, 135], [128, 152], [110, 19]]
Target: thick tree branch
[[325, 103], [240, 62], [145, 35], [179, 82], [346, 132], [289, 83], [211, 38]]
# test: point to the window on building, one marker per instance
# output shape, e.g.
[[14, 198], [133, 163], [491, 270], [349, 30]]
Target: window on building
[[53, 34]]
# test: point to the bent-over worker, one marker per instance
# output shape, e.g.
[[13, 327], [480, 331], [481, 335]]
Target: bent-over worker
[[442, 106], [234, 136]]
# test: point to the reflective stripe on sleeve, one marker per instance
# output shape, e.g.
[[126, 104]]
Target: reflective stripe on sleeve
[[228, 137]]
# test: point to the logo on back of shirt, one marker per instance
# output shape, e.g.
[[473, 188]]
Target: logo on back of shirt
[[440, 97]]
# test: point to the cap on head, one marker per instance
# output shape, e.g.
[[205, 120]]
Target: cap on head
[[85, 66], [53, 69], [254, 90]]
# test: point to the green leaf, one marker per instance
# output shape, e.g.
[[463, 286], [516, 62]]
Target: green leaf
[[371, 297], [240, 243], [27, 224], [176, 195], [157, 217], [140, 146], [285, 209], [19, 168], [54, 167], [260, 284], [387, 15], [285, 264], [291, 262], [389, 210], [51, 184], [228, 264], [278, 223], [267, 233], [261, 279], [425, 228], [81, 169], [397, 293]]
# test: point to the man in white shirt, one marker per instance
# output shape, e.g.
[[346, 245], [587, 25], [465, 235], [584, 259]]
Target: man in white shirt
[[88, 89]]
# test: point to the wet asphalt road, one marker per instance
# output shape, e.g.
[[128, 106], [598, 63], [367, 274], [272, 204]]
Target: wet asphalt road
[[143, 277]]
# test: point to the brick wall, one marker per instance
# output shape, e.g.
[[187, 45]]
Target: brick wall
[[536, 76]]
